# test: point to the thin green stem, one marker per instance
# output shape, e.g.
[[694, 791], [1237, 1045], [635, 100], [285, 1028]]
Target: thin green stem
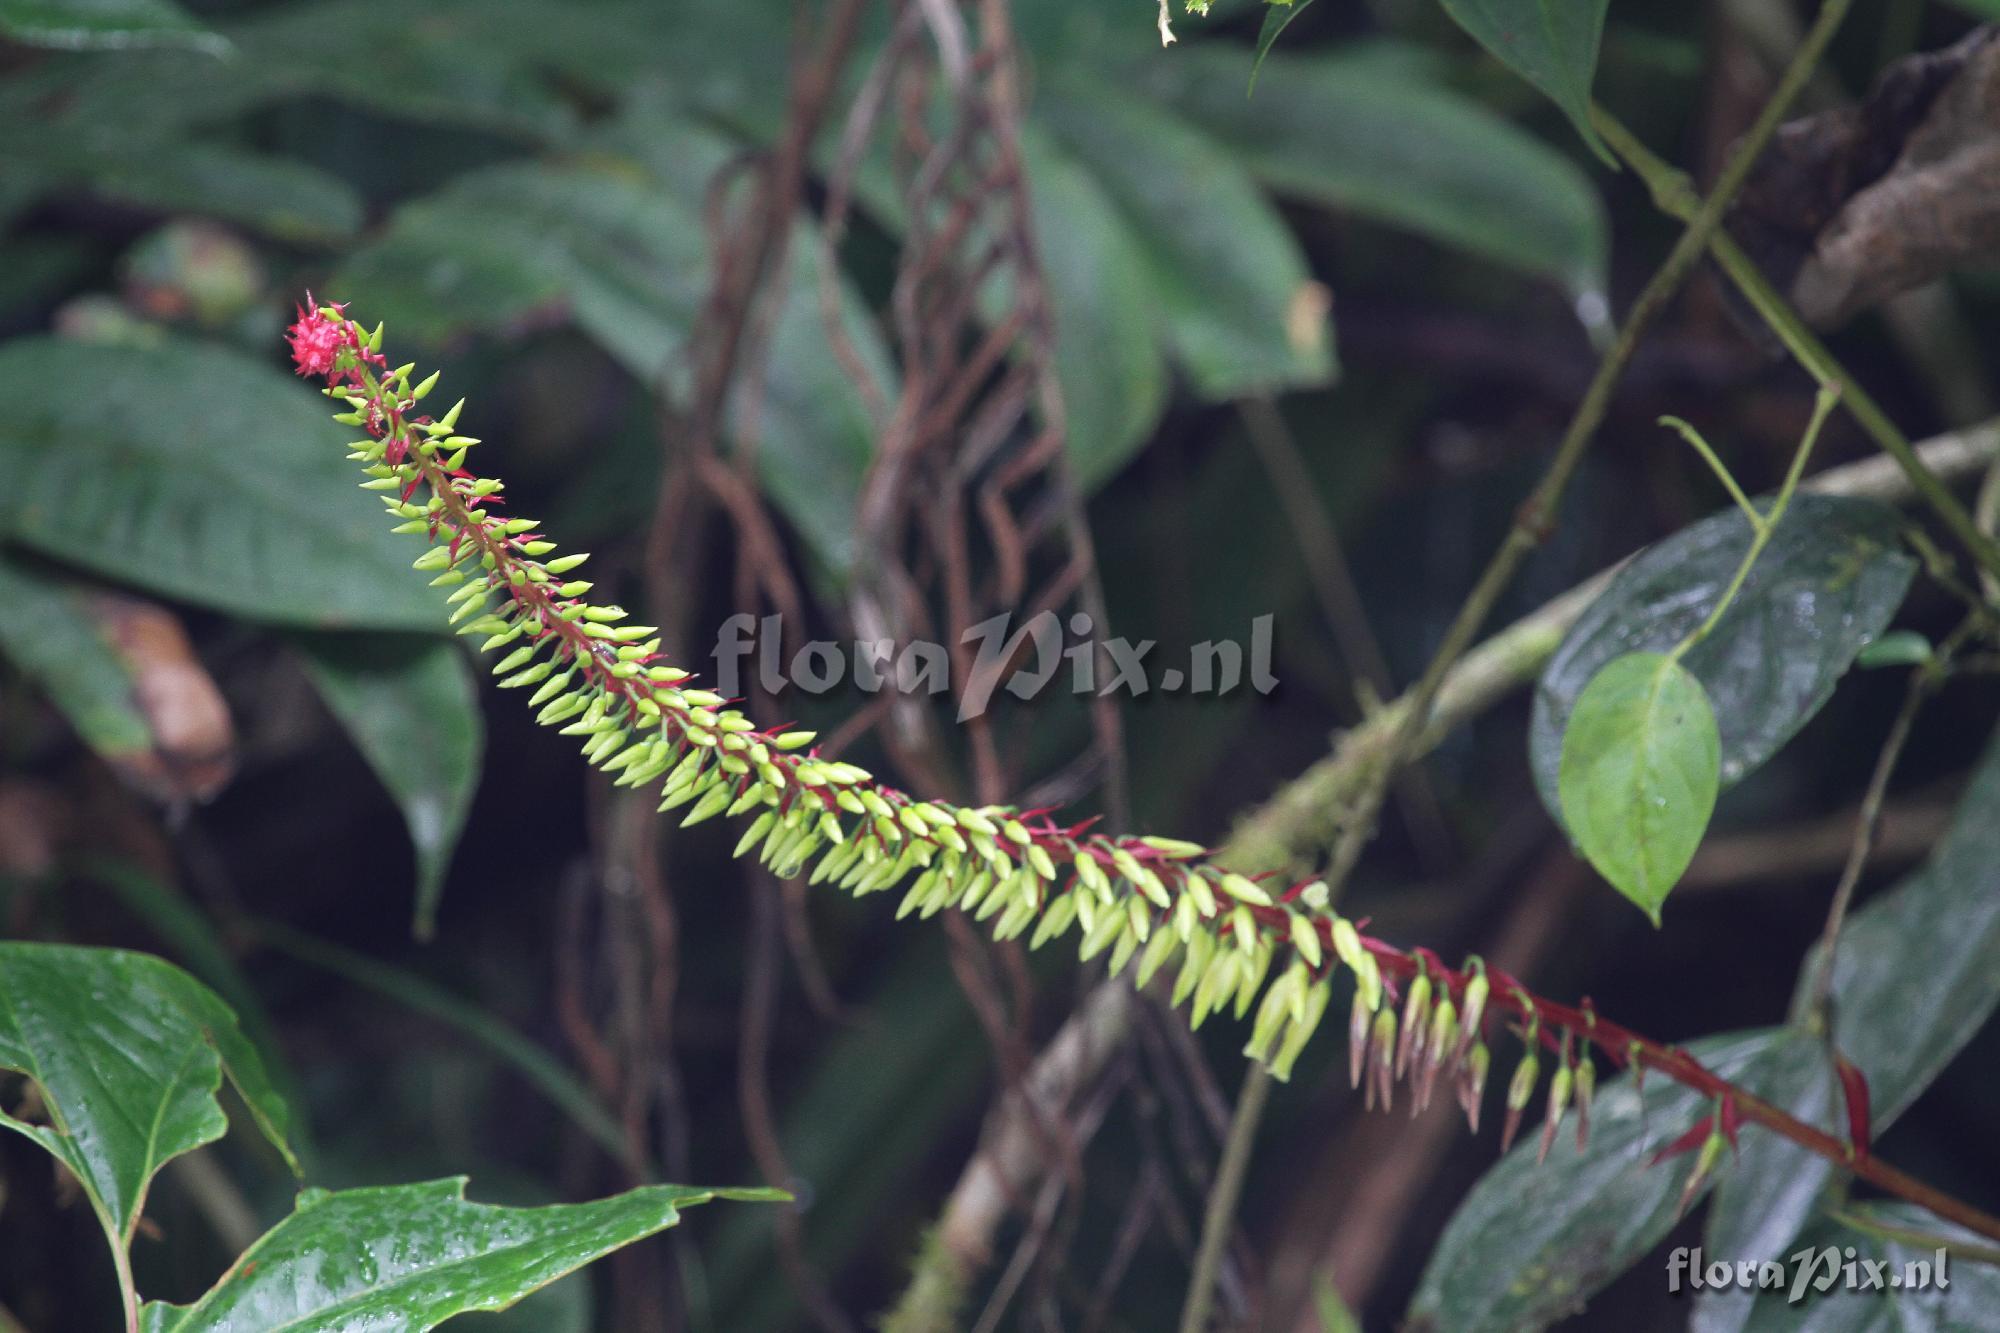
[[1224, 1196], [1762, 526], [1535, 516], [1675, 196], [1717, 466]]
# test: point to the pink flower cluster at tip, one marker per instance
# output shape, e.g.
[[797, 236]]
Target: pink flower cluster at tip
[[316, 340]]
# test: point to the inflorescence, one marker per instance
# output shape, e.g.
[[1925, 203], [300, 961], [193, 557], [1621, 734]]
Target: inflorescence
[[1150, 903]]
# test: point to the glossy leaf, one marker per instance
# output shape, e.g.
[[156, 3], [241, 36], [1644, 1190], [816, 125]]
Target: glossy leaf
[[45, 631], [1550, 43], [80, 25], [408, 1257], [1231, 288], [200, 474], [1532, 1243], [1826, 585], [1966, 1299], [1379, 138], [1639, 774], [624, 256], [411, 708], [128, 1052]]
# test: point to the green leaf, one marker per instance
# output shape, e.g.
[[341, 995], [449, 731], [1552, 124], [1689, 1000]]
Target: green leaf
[[1227, 277], [1966, 1301], [411, 708], [128, 1052], [408, 1257], [1550, 43], [1903, 647], [201, 474], [1531, 1243], [1640, 770], [1362, 133], [1277, 18], [623, 255], [45, 631], [1108, 351], [1826, 585], [80, 25]]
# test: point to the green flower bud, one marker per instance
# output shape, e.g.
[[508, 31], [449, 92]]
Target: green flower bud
[[1305, 938]]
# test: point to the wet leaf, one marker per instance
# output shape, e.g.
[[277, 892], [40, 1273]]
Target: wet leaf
[[1532, 1243], [408, 1257], [1826, 585], [1917, 1300], [1639, 774], [128, 1052]]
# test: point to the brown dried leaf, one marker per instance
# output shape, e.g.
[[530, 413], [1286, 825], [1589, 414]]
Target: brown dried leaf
[[1851, 206], [194, 742]]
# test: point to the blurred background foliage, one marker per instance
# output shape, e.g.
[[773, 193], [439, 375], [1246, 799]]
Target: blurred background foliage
[[232, 731]]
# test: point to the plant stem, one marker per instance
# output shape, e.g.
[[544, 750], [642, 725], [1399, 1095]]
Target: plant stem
[[1761, 526], [1923, 682], [1715, 465], [1223, 1197], [1537, 513], [1674, 196]]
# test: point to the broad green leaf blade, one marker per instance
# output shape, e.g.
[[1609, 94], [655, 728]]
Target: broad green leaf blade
[[1639, 774], [128, 1052], [1966, 1300], [622, 253], [1239, 308], [411, 708], [45, 631], [1108, 351], [201, 474], [104, 25], [1550, 43], [1379, 138], [1531, 1243], [1826, 585], [409, 1257]]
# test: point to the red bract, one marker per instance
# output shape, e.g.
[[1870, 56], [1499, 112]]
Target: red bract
[[315, 340]]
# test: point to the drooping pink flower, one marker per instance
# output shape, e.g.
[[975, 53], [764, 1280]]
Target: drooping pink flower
[[315, 340]]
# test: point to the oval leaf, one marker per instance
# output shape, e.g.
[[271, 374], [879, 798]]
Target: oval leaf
[[408, 1257], [1825, 586], [410, 707], [128, 1052], [1550, 43], [1640, 771], [198, 473]]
